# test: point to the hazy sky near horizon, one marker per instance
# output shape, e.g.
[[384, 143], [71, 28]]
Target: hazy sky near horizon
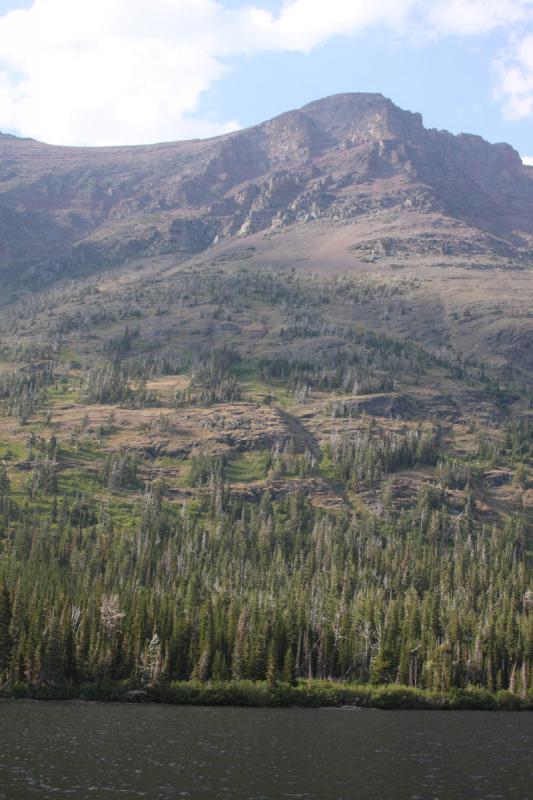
[[97, 72]]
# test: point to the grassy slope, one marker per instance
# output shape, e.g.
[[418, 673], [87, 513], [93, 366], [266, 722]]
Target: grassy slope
[[83, 321]]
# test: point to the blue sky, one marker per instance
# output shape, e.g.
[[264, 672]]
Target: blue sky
[[448, 82], [131, 71]]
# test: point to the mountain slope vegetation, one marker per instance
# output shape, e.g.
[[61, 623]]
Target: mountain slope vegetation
[[288, 441]]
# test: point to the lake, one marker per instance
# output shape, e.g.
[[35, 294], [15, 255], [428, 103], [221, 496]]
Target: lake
[[97, 750]]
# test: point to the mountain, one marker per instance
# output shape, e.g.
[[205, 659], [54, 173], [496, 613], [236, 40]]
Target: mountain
[[341, 184], [344, 160], [266, 411]]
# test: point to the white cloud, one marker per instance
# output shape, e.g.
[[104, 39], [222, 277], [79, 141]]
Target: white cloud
[[108, 71], [527, 160], [305, 24], [514, 85], [475, 17], [128, 71]]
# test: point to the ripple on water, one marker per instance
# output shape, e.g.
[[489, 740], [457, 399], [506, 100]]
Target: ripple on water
[[164, 752]]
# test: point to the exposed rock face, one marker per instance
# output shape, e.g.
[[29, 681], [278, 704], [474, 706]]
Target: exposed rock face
[[338, 159]]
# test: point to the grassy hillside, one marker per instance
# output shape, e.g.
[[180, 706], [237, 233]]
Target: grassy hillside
[[224, 472]]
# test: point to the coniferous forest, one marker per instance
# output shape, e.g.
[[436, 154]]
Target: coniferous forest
[[224, 478]]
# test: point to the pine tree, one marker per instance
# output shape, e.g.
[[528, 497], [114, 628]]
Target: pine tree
[[4, 481], [6, 642], [237, 663], [52, 670], [288, 666], [272, 665]]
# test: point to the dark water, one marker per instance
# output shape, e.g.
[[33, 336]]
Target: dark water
[[85, 750]]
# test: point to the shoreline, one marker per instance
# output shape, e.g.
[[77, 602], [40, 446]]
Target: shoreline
[[320, 694]]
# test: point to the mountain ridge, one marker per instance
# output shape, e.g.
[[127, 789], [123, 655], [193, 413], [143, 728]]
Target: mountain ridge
[[347, 184], [63, 208]]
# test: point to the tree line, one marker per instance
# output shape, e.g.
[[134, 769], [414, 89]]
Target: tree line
[[224, 589]]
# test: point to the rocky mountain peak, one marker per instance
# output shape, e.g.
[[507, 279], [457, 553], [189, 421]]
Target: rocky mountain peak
[[339, 161], [356, 115]]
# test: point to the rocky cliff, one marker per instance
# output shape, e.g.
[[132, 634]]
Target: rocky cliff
[[352, 159]]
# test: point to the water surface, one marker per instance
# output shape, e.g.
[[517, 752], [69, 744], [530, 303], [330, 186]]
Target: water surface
[[94, 750]]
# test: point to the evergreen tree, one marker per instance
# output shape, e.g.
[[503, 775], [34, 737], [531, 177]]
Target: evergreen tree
[[6, 642]]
